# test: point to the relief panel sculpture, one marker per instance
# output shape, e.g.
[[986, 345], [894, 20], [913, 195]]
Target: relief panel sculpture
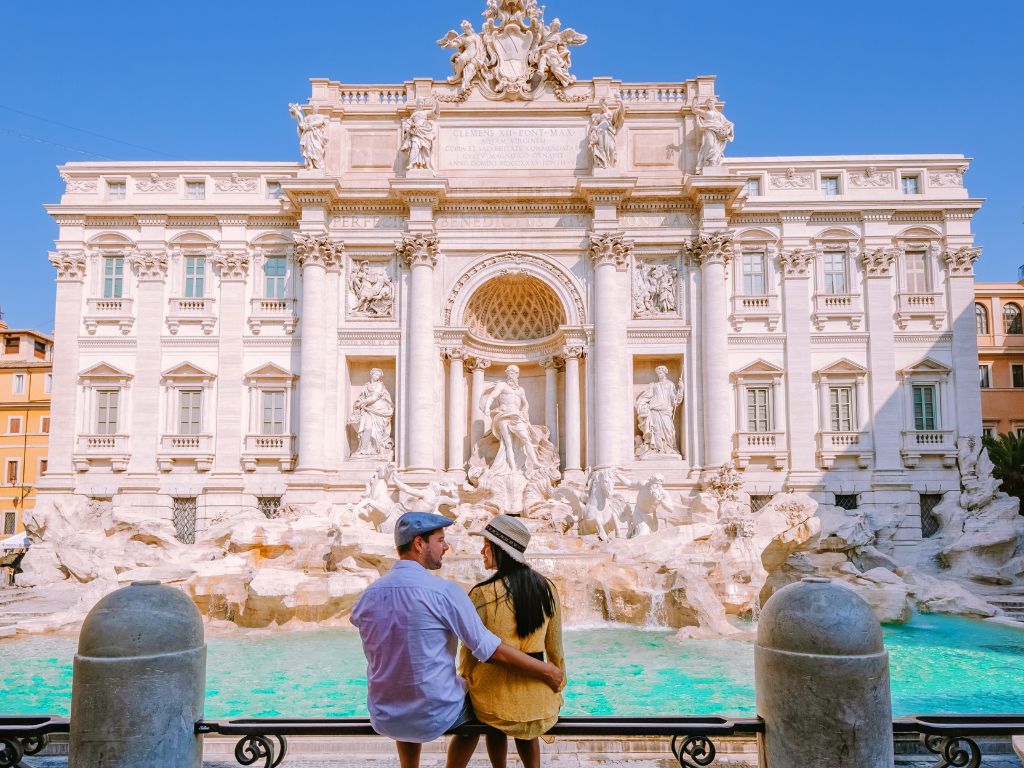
[[371, 291], [654, 289]]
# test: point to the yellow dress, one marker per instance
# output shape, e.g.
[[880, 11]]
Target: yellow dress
[[519, 706]]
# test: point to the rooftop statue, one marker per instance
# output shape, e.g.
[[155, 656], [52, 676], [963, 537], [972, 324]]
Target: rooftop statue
[[604, 129], [716, 132], [312, 131], [418, 134]]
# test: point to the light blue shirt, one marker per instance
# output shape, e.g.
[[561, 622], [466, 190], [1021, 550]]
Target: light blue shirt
[[410, 621]]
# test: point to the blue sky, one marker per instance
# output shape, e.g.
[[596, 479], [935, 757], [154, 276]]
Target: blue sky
[[212, 81]]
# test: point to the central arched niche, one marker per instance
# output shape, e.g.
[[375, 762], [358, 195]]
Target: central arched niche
[[514, 307]]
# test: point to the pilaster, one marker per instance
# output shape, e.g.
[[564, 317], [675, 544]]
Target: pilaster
[[150, 265], [233, 269], [960, 279]]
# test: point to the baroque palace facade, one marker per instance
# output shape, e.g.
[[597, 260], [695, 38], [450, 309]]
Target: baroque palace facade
[[243, 334]]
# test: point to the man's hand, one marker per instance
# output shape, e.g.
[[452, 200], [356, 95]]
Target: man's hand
[[553, 677], [547, 673]]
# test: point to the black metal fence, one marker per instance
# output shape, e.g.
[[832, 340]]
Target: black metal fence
[[952, 738]]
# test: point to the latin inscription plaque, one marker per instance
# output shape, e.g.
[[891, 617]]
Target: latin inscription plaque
[[513, 148]]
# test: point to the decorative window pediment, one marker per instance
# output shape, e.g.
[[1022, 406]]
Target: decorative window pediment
[[188, 373], [843, 368], [759, 369], [926, 367], [104, 372], [268, 374]]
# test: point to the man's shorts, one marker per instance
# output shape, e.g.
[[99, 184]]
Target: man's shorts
[[466, 716]]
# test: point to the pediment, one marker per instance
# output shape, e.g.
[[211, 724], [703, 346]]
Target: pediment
[[927, 366], [269, 372], [104, 371], [842, 367], [188, 371], [757, 368]]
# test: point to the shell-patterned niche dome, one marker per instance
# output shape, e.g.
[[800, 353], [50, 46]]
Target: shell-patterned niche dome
[[514, 308]]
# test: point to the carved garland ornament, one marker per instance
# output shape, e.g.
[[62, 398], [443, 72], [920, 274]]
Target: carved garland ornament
[[611, 249], [711, 248], [418, 250], [318, 250], [156, 183], [960, 263], [70, 265], [515, 260], [151, 265]]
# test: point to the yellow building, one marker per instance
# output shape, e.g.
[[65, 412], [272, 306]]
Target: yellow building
[[25, 384]]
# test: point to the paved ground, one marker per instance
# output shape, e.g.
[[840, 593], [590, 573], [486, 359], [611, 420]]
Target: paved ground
[[563, 762]]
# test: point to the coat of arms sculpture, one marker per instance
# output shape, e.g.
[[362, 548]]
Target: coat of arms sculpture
[[514, 54]]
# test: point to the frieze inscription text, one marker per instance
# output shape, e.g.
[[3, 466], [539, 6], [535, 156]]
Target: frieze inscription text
[[523, 148]]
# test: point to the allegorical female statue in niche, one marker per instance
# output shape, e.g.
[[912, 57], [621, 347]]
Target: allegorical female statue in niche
[[656, 415], [371, 417]]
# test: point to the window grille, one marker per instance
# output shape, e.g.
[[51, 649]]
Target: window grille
[[185, 511], [929, 521], [269, 506], [847, 500], [759, 502], [10, 523]]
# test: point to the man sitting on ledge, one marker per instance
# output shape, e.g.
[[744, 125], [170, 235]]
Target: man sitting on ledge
[[409, 621]]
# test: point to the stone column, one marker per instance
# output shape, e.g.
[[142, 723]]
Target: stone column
[[551, 366], [151, 267], [477, 366], [233, 269], [314, 254], [797, 268], [419, 252], [456, 409], [885, 401], [610, 253], [712, 251], [333, 430], [573, 432], [70, 267], [960, 275]]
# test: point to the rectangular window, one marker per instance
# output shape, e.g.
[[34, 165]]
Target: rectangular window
[[10, 523], [753, 274], [48, 383], [195, 190], [44, 425], [12, 472], [195, 277], [12, 345], [117, 190], [757, 410], [274, 191], [14, 425], [841, 409], [113, 277], [1017, 375], [985, 376], [106, 411], [911, 185], [835, 272], [989, 432], [275, 270], [830, 185], [44, 464], [915, 268], [273, 413], [190, 412], [752, 187], [39, 349], [847, 501], [925, 411], [19, 384]]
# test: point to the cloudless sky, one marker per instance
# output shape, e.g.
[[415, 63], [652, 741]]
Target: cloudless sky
[[212, 80]]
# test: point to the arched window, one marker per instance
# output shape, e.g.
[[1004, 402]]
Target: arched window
[[981, 318], [1011, 319]]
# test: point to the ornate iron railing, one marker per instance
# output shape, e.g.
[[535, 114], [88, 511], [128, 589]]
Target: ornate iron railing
[[953, 738]]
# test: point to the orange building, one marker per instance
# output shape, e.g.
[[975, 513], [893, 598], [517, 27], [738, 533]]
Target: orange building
[[25, 383], [999, 310]]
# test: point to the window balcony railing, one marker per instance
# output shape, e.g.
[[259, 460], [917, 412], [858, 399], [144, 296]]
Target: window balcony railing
[[195, 311], [920, 306], [838, 306], [273, 312], [756, 308], [274, 449], [93, 449], [117, 312], [772, 446], [186, 449], [836, 445], [929, 442]]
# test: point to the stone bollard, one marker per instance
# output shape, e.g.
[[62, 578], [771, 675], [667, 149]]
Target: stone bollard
[[139, 681], [822, 679]]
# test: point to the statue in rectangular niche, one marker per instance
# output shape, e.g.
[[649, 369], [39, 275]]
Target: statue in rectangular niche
[[656, 415], [371, 418]]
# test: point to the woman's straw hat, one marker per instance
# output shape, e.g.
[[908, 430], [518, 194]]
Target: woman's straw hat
[[510, 534]]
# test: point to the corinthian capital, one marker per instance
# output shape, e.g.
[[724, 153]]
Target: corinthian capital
[[150, 265], [419, 250], [318, 250], [70, 265], [879, 262], [797, 263], [232, 265], [711, 248], [960, 263], [612, 248]]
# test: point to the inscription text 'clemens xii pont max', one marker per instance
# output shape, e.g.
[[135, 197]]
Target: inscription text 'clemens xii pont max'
[[522, 147]]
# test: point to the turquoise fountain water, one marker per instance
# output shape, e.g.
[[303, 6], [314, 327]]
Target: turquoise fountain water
[[939, 664]]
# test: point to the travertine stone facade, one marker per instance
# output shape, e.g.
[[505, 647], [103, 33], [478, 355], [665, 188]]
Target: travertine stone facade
[[214, 322]]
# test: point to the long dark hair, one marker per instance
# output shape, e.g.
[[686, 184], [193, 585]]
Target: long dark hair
[[532, 595]]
